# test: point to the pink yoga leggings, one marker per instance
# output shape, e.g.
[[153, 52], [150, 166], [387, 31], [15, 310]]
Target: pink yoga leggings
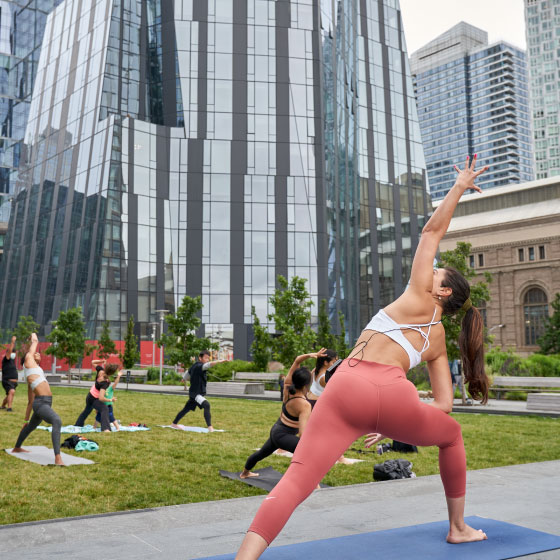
[[369, 397]]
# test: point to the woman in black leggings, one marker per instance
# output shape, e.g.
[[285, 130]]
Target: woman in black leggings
[[40, 400], [295, 413], [96, 399]]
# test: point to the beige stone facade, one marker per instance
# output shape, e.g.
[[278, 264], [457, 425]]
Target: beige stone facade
[[515, 235]]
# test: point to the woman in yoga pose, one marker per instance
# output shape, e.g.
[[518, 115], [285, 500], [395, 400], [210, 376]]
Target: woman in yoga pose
[[369, 392], [293, 419], [40, 400], [96, 398], [318, 376]]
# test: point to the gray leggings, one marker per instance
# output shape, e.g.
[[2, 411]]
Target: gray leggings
[[42, 411]]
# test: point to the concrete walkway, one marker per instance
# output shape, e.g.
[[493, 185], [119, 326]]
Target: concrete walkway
[[526, 495]]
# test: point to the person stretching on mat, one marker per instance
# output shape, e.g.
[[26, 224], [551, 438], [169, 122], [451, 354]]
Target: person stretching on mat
[[369, 392], [321, 365], [293, 419], [198, 373], [96, 399], [110, 370], [40, 400]]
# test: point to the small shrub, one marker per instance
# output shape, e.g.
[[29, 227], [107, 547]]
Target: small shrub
[[223, 372], [506, 363], [420, 377], [544, 366]]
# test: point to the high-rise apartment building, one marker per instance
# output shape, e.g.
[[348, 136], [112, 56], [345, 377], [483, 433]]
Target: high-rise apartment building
[[22, 23], [542, 19], [473, 98], [203, 147]]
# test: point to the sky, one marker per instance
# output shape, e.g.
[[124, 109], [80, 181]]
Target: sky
[[424, 20]]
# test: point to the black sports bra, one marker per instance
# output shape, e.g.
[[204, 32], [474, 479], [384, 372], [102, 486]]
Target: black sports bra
[[285, 410]]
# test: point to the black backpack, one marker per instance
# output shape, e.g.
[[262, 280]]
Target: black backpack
[[70, 442], [393, 469], [404, 447]]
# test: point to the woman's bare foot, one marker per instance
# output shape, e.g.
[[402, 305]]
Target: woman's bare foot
[[344, 461], [58, 461], [176, 426], [466, 534], [248, 474], [210, 428], [20, 450]]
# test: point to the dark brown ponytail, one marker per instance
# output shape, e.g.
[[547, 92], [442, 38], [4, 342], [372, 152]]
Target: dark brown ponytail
[[472, 353], [471, 337]]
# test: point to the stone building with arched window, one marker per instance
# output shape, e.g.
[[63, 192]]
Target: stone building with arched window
[[515, 235]]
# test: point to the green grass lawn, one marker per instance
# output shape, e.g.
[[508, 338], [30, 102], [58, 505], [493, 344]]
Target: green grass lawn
[[165, 467]]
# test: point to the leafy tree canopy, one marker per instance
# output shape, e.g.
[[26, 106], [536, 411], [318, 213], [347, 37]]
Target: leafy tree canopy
[[181, 343], [106, 345], [68, 337], [549, 342], [480, 293], [131, 355], [292, 316]]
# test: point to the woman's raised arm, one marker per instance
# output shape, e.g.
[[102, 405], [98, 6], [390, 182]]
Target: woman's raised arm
[[422, 267]]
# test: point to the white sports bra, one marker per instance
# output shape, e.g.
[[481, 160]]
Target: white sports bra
[[382, 323], [34, 371], [316, 387]]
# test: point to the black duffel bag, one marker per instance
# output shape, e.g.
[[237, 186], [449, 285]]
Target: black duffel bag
[[393, 469]]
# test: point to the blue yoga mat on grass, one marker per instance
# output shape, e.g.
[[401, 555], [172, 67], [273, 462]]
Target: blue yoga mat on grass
[[421, 542]]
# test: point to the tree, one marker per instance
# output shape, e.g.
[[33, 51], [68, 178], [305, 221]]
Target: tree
[[180, 340], [480, 292], [260, 348], [292, 316], [25, 326], [68, 337], [131, 355], [325, 339], [106, 344], [549, 342], [341, 346]]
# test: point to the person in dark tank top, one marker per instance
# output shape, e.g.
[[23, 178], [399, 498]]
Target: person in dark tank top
[[296, 409]]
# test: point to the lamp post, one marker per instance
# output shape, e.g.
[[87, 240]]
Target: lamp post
[[500, 326], [154, 329], [162, 313]]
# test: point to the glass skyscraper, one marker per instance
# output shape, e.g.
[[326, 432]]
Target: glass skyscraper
[[473, 98], [22, 23], [203, 148], [542, 18]]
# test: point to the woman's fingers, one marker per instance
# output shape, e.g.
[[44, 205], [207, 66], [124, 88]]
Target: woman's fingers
[[481, 171], [467, 164], [456, 169], [473, 163]]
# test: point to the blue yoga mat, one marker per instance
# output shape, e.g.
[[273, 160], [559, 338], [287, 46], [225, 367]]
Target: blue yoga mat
[[427, 541]]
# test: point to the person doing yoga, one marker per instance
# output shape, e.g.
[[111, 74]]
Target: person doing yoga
[[198, 374], [323, 362], [293, 418], [369, 392], [96, 398], [39, 400]]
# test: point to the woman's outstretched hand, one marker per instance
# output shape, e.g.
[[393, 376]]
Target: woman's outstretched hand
[[465, 179], [372, 439]]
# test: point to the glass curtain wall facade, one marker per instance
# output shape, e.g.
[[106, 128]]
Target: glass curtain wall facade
[[205, 147], [542, 19], [22, 23], [473, 98]]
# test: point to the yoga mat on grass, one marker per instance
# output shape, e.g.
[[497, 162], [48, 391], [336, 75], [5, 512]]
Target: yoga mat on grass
[[268, 478], [421, 542], [44, 456], [89, 429], [191, 429]]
